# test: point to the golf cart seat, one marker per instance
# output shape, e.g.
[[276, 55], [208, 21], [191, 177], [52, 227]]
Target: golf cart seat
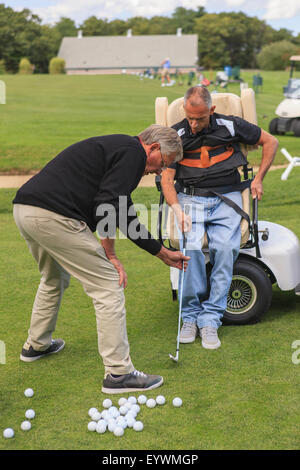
[[226, 103]]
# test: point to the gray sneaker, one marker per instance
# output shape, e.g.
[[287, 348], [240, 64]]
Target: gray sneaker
[[188, 332], [209, 337], [134, 382], [29, 355]]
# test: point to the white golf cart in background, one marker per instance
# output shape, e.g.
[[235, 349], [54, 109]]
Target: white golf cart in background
[[269, 254], [289, 109]]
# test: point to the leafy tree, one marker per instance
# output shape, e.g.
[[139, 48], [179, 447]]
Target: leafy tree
[[95, 27], [185, 19], [118, 27], [66, 27], [276, 56], [44, 47], [17, 31], [230, 39], [161, 25], [139, 25]]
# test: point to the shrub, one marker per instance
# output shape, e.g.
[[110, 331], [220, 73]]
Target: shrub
[[25, 67], [2, 67], [275, 56], [57, 65]]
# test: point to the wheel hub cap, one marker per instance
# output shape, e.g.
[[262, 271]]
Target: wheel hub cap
[[242, 295]]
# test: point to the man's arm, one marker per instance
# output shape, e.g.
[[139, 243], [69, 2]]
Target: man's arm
[[269, 145], [109, 248], [167, 183]]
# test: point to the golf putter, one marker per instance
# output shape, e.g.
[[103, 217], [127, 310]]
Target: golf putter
[[175, 359]]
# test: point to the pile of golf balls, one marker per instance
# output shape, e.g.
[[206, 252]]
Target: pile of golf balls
[[8, 433], [116, 419]]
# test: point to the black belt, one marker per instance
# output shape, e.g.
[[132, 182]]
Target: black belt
[[192, 191]]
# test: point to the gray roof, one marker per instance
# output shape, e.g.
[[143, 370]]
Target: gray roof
[[110, 52]]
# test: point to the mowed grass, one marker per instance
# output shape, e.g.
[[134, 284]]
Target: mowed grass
[[46, 113], [241, 396]]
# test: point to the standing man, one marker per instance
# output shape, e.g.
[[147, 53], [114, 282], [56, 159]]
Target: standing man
[[57, 212], [165, 74], [211, 157]]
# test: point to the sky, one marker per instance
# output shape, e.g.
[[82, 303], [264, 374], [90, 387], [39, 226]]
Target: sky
[[276, 13]]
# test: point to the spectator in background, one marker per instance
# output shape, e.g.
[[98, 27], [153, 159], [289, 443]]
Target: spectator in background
[[165, 74]]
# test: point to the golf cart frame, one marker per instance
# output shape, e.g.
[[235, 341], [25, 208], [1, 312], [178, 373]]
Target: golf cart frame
[[269, 254]]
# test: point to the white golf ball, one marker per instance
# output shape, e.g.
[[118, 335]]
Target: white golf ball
[[177, 402], [101, 428], [112, 424], [123, 410], [8, 433], [106, 415], [118, 431], [130, 421], [123, 424], [102, 422], [107, 403], [132, 400], [160, 400], [92, 426], [122, 401], [120, 419], [135, 408], [138, 426], [112, 409], [151, 403], [26, 425], [115, 413], [128, 405], [131, 414], [30, 414], [96, 416], [28, 392], [91, 411], [142, 399]]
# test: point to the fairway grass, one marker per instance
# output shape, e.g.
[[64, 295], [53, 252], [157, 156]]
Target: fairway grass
[[44, 114], [242, 396]]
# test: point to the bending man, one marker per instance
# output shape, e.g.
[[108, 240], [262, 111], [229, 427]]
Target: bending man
[[56, 212]]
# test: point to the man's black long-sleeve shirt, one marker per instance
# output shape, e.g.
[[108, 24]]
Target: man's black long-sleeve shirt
[[88, 174]]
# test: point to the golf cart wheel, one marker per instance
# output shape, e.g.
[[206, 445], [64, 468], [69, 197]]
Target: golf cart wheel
[[250, 293], [273, 126], [296, 127]]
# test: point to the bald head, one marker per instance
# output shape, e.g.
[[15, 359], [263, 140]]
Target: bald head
[[198, 108], [197, 95]]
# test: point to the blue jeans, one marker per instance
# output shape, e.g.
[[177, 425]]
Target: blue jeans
[[222, 226]]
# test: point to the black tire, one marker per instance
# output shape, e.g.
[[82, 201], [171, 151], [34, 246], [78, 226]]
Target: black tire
[[250, 293], [296, 127], [273, 126]]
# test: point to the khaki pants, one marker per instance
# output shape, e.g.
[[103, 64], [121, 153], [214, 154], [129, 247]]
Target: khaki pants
[[64, 247]]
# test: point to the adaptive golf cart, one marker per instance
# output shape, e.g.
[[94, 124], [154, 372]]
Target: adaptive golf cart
[[270, 253], [289, 109]]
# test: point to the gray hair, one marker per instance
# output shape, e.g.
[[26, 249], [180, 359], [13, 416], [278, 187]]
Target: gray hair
[[198, 92], [169, 140]]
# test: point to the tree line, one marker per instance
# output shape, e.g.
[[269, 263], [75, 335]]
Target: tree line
[[224, 38]]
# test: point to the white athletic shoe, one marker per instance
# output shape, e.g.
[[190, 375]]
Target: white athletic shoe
[[209, 337]]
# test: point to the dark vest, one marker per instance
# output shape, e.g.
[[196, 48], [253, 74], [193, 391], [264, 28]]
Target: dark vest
[[210, 154]]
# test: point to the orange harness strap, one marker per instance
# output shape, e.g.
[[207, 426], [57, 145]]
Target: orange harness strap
[[205, 161]]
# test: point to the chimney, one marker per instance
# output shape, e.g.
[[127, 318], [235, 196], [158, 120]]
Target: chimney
[[129, 33], [79, 34], [179, 32]]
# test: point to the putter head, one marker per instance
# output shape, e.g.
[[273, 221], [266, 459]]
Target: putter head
[[175, 359]]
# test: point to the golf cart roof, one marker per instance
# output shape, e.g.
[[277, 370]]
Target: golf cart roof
[[295, 57]]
